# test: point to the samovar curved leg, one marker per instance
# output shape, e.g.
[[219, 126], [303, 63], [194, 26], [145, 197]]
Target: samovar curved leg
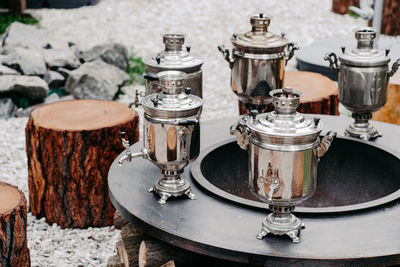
[[190, 194]]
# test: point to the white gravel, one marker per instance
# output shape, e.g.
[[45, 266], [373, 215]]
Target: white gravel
[[139, 25]]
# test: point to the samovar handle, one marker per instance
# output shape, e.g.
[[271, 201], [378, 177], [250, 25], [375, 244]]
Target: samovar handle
[[225, 52], [333, 61], [291, 47], [325, 143], [241, 133], [128, 154], [394, 69]]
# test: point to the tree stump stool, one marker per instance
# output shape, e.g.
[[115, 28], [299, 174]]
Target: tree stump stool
[[390, 112], [13, 220], [70, 147], [320, 94]]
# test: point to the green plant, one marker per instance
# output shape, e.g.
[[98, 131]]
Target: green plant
[[135, 70], [8, 18]]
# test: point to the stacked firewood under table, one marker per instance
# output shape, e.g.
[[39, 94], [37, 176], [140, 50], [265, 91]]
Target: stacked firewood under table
[[135, 248]]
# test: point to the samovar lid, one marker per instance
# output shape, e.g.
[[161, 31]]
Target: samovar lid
[[365, 54], [175, 100], [284, 122], [173, 56], [259, 39]]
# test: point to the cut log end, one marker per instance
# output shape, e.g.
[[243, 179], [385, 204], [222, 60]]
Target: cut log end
[[81, 115]]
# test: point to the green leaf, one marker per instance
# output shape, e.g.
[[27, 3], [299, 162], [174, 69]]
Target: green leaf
[[8, 18]]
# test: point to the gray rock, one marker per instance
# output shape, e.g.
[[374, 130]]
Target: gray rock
[[54, 79], [52, 98], [25, 112], [22, 35], [112, 53], [7, 108], [60, 58], [28, 62], [96, 80], [30, 87], [7, 71], [64, 72]]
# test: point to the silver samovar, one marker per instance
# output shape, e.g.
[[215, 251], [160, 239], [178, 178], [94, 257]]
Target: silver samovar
[[258, 63], [171, 133], [284, 149], [363, 76], [174, 57]]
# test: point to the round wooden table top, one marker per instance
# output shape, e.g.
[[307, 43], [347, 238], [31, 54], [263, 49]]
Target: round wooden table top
[[314, 86], [78, 115], [223, 229], [9, 197]]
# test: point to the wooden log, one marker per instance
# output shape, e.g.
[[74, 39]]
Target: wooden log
[[13, 221], [342, 6], [391, 17], [119, 220], [70, 146], [390, 112], [169, 264], [17, 6], [128, 247], [320, 94]]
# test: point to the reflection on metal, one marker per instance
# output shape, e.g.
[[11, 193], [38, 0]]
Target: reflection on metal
[[289, 143], [363, 76], [171, 133]]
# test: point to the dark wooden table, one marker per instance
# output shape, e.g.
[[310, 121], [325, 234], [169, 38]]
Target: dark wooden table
[[212, 226]]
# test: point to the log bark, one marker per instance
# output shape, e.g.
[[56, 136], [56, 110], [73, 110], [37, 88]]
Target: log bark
[[13, 221], [391, 17], [342, 6], [320, 94], [17, 6], [390, 112], [128, 247], [119, 220], [70, 147]]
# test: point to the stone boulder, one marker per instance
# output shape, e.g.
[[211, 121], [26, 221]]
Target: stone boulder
[[30, 87], [112, 53], [60, 58], [22, 35], [96, 80], [7, 108], [28, 36], [54, 79], [7, 71], [25, 61]]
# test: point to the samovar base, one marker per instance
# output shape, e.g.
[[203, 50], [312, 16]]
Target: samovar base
[[281, 222], [361, 128], [172, 185]]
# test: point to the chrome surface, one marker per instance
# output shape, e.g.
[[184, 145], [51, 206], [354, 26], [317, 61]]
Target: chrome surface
[[175, 57], [363, 76], [258, 61], [283, 149], [281, 222], [171, 133]]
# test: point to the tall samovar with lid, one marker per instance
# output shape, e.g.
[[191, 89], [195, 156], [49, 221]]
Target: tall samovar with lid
[[258, 62], [363, 76], [171, 133], [175, 57], [284, 150]]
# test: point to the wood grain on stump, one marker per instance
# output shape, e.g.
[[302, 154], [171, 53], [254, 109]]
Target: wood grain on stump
[[390, 112], [320, 94], [13, 219], [70, 147]]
